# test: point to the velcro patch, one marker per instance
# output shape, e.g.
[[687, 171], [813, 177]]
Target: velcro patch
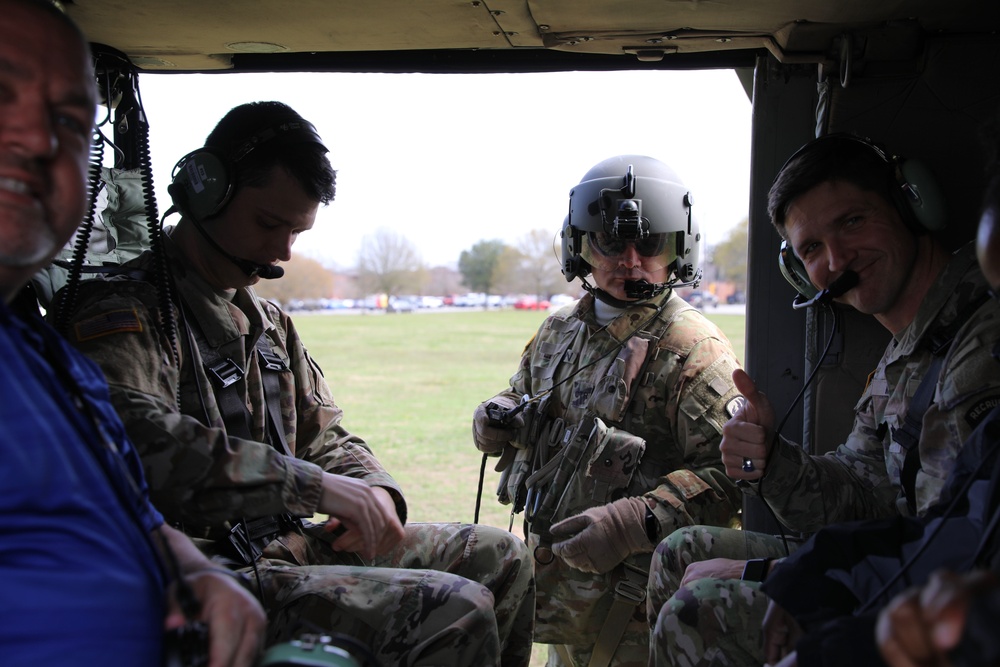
[[979, 411], [719, 385], [687, 484], [111, 322], [734, 405]]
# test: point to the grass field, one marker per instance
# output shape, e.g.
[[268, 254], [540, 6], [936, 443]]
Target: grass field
[[409, 382]]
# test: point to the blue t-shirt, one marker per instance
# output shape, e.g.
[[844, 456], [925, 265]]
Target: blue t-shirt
[[80, 582]]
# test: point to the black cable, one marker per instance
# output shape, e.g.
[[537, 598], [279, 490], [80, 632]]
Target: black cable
[[479, 496], [905, 567], [781, 425], [520, 406], [67, 297], [253, 561]]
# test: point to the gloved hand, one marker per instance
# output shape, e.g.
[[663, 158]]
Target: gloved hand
[[492, 439], [602, 537]]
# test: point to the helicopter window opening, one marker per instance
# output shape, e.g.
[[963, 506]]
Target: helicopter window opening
[[448, 160]]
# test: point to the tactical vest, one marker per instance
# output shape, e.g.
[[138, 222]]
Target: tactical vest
[[596, 456]]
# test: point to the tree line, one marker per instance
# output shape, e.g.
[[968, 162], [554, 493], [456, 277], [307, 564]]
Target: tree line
[[391, 264]]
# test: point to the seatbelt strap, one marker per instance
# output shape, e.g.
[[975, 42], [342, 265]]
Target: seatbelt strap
[[271, 365], [907, 435], [225, 375], [629, 590]]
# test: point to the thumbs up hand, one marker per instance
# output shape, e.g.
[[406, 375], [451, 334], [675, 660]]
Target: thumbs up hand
[[746, 438]]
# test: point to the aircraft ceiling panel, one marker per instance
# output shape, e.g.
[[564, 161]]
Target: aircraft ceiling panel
[[200, 35]]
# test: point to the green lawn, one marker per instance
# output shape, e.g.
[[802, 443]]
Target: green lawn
[[409, 382]]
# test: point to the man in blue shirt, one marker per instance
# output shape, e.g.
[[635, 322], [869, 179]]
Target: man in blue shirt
[[82, 551]]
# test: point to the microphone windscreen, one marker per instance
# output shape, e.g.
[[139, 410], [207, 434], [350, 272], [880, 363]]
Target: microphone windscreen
[[268, 272], [847, 281]]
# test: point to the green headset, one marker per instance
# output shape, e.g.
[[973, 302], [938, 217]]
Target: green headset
[[918, 200], [204, 181]]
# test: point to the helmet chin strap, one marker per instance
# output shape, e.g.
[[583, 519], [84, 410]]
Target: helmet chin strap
[[637, 292]]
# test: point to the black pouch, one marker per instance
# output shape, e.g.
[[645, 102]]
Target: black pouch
[[249, 537]]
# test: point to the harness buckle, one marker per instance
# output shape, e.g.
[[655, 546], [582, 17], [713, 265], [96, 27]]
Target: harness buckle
[[226, 372], [625, 587]]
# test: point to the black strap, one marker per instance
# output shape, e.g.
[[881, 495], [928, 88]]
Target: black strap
[[271, 366], [908, 435], [225, 375]]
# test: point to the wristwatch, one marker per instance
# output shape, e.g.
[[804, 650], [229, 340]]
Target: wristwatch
[[756, 569], [652, 526]]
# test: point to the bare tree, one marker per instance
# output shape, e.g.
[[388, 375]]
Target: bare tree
[[540, 263], [532, 267], [389, 263]]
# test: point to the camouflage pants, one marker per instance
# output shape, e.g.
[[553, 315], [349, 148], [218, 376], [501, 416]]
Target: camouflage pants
[[632, 651], [572, 608], [710, 622], [449, 594]]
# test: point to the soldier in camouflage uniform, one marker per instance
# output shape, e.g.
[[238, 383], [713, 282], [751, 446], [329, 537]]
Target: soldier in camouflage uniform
[[625, 393], [240, 436], [936, 306]]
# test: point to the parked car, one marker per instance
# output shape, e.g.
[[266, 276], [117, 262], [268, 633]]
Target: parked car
[[531, 303], [701, 299]]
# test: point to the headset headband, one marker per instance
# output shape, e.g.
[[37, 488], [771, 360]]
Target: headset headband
[[287, 131]]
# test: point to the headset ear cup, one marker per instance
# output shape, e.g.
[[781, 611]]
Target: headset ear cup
[[795, 272], [922, 194], [202, 184], [573, 265]]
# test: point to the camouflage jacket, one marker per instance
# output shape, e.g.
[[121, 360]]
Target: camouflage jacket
[[198, 474], [664, 397], [861, 478]]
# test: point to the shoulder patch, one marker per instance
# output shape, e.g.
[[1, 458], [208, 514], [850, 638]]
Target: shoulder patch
[[530, 341], [112, 322], [978, 412], [734, 405]]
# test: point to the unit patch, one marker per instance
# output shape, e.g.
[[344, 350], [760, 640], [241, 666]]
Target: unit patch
[[979, 411], [734, 405], [112, 322]]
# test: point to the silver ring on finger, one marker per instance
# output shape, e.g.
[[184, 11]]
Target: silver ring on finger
[[748, 465]]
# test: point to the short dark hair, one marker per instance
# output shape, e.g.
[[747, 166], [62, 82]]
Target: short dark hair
[[301, 155], [835, 157]]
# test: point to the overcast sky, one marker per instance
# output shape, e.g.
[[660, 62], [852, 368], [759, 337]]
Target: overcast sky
[[449, 160]]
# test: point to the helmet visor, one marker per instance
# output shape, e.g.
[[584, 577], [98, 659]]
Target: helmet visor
[[605, 251]]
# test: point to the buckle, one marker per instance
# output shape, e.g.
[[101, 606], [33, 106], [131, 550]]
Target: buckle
[[272, 362], [226, 372], [633, 591]]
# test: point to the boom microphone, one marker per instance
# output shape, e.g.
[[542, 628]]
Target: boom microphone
[[643, 289], [265, 271], [847, 281]]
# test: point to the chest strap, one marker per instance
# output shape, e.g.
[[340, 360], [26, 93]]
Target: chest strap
[[226, 374], [271, 367], [248, 537]]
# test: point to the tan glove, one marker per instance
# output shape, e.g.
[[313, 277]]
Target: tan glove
[[491, 439], [602, 537]]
